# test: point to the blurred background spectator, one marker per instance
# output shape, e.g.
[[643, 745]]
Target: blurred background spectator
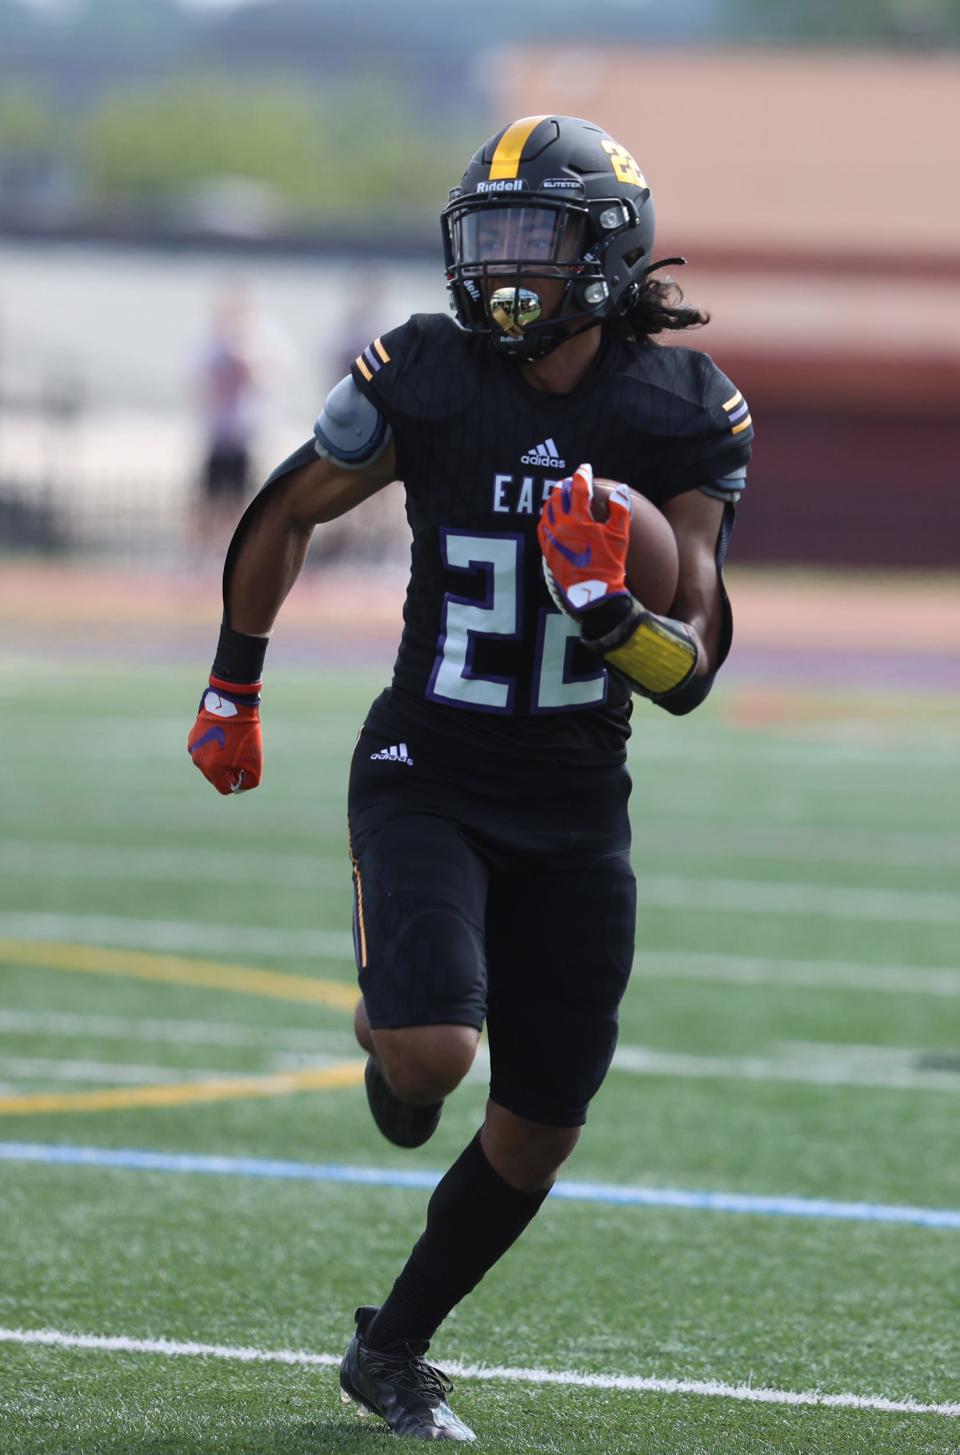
[[245, 367], [229, 395]]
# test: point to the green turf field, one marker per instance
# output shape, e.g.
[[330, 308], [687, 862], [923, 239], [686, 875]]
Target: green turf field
[[175, 976]]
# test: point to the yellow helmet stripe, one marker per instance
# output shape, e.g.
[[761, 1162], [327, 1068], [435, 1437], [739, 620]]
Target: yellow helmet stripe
[[506, 158]]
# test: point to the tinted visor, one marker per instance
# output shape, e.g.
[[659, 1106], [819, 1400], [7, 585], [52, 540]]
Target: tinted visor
[[529, 235]]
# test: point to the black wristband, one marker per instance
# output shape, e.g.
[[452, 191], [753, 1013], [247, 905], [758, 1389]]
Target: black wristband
[[239, 657], [610, 622]]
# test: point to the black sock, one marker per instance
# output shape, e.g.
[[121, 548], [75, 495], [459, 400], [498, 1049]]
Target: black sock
[[473, 1217]]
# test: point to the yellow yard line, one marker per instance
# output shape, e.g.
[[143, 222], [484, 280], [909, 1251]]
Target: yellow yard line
[[178, 970], [326, 1078]]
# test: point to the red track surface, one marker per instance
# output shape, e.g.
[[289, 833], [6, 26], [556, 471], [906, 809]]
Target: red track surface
[[900, 631]]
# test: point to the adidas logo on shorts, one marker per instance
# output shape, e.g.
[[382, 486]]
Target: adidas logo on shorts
[[396, 754], [545, 455]]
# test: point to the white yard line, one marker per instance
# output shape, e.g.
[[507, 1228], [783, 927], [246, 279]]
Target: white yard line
[[796, 974], [318, 945], [221, 866], [70, 1024], [18, 1069], [832, 1066], [177, 866], [334, 945], [67, 860], [772, 896], [738, 896], [182, 935], [120, 1073], [897, 848], [811, 1063], [639, 1384]]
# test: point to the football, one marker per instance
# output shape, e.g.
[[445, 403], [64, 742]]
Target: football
[[653, 563]]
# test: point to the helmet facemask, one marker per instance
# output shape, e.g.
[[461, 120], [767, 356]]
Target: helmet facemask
[[521, 271]]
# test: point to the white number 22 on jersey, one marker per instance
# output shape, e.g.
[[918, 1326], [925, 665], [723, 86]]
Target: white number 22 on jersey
[[453, 680]]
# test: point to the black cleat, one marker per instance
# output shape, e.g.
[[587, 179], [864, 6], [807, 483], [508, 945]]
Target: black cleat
[[398, 1384], [402, 1124]]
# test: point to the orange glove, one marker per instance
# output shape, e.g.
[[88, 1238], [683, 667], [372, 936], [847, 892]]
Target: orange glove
[[225, 741], [584, 560]]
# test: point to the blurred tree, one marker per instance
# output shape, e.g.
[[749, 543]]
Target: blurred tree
[[324, 155], [885, 22], [146, 144], [28, 128]]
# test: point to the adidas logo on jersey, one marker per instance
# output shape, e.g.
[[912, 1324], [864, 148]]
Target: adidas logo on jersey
[[546, 455], [396, 754]]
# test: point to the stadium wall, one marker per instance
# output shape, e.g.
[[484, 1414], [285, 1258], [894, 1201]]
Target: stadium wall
[[824, 243]]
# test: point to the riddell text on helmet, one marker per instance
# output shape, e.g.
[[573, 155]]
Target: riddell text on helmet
[[504, 184]]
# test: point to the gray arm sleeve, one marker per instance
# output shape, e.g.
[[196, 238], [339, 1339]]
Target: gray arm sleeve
[[350, 430], [728, 487]]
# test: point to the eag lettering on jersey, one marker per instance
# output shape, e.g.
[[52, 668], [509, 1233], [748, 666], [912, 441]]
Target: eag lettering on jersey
[[523, 497]]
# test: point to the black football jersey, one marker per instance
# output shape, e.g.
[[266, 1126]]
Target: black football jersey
[[485, 657]]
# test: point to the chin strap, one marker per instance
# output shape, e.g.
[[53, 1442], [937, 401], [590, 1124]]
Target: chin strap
[[665, 263]]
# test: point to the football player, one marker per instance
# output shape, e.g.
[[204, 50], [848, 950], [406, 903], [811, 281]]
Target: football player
[[488, 794]]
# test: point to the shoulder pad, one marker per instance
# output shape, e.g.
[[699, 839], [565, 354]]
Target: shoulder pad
[[700, 417], [350, 429], [425, 369]]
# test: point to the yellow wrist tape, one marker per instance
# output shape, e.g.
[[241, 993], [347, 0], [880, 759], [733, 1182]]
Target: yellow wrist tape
[[659, 655]]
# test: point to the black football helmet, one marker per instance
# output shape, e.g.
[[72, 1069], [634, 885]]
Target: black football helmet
[[548, 200]]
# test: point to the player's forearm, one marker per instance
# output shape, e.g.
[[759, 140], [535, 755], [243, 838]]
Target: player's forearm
[[702, 525], [263, 561], [657, 654], [701, 607], [264, 565], [708, 619], [270, 543], [672, 660]]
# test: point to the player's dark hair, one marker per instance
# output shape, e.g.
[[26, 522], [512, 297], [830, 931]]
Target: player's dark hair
[[658, 306]]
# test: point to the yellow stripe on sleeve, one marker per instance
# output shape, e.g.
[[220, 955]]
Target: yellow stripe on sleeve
[[744, 424], [362, 365], [506, 158], [732, 403], [379, 349]]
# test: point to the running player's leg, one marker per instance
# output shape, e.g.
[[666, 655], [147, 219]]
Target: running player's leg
[[420, 891], [420, 911], [559, 950]]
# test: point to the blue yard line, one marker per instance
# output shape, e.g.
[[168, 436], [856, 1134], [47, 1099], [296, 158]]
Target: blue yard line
[[597, 1192]]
